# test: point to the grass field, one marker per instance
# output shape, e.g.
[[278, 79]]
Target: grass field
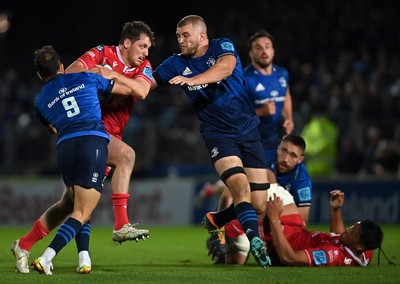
[[178, 255]]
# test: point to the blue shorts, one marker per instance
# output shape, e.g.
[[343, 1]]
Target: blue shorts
[[82, 161], [248, 148]]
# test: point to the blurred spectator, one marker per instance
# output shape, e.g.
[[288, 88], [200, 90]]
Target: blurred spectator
[[373, 136], [387, 158], [321, 136], [350, 159]]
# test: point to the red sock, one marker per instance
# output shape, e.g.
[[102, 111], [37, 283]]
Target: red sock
[[36, 233], [120, 204]]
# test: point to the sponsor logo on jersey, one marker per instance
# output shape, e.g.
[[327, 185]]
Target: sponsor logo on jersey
[[187, 71], [347, 260], [91, 53], [197, 87], [64, 92], [260, 87], [274, 93]]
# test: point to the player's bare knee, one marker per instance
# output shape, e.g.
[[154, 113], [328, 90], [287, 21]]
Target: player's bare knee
[[127, 156]]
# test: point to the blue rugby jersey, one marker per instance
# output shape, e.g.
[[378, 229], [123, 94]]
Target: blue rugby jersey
[[223, 107], [297, 182], [70, 103], [262, 88]]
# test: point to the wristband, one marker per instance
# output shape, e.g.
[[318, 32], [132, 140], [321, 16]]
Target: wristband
[[275, 221]]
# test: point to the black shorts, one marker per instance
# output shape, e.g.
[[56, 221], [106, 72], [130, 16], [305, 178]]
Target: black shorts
[[82, 161], [248, 148]]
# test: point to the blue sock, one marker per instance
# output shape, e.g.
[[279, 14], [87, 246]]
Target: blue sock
[[65, 234], [224, 216], [83, 237], [248, 219]]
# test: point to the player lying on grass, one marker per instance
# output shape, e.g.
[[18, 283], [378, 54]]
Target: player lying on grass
[[290, 244]]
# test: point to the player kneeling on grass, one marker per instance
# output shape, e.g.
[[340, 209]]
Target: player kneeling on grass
[[286, 236]]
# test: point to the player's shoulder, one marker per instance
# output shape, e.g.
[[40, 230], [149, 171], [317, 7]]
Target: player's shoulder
[[303, 169], [248, 70], [224, 43], [146, 64], [278, 69]]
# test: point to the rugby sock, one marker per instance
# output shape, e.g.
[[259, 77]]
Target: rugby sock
[[120, 204], [36, 233], [82, 244], [224, 216], [248, 219], [65, 234], [82, 237]]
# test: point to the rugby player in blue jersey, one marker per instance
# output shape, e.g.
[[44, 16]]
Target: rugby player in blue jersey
[[267, 85], [210, 72], [69, 105]]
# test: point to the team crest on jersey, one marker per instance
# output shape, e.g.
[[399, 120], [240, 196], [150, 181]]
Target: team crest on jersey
[[95, 177], [100, 47], [214, 152], [210, 62], [227, 46], [283, 82]]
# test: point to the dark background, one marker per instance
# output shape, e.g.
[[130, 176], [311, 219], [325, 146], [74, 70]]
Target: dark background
[[344, 56]]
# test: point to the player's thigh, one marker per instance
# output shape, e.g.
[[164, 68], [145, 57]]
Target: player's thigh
[[86, 200]]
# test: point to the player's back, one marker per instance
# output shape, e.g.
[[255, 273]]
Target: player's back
[[70, 103]]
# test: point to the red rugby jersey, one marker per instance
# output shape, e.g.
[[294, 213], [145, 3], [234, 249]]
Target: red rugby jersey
[[117, 111]]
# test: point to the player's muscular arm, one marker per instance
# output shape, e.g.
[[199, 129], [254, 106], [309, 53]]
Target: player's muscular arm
[[284, 250], [219, 71], [139, 87], [304, 212], [336, 202], [76, 67]]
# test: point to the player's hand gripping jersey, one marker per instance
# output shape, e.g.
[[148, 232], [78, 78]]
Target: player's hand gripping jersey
[[116, 112]]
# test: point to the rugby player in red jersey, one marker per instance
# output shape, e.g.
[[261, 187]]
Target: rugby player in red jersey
[[296, 246], [130, 67]]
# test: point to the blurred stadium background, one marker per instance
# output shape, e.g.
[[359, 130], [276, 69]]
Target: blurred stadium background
[[343, 60]]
